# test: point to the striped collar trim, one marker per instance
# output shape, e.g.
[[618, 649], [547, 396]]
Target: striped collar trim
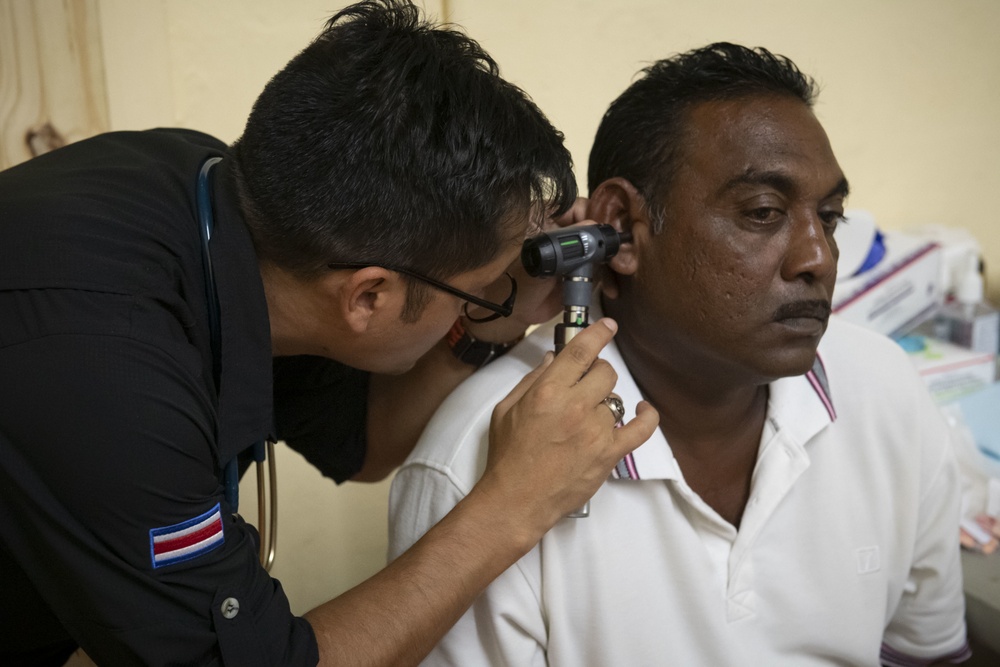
[[801, 405], [821, 385]]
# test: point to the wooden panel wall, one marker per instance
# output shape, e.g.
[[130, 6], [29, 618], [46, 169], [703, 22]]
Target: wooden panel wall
[[52, 88]]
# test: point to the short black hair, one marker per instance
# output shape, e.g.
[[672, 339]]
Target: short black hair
[[395, 142], [640, 137]]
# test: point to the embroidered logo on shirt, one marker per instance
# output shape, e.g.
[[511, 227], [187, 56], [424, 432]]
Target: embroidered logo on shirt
[[186, 540], [868, 560]]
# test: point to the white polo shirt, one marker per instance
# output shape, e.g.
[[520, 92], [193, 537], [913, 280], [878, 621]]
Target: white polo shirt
[[849, 539]]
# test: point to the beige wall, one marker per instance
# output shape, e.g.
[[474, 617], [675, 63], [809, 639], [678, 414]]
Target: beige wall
[[911, 100]]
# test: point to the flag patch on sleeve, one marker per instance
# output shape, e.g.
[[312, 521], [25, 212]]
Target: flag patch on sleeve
[[186, 540]]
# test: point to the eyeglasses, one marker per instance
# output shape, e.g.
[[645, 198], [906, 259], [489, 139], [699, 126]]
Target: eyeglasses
[[498, 309]]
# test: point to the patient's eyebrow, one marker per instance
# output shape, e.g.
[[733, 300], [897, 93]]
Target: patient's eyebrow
[[778, 180], [842, 189]]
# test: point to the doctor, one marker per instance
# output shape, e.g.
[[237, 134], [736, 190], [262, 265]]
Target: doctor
[[363, 229]]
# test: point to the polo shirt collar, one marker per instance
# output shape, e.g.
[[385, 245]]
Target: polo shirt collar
[[799, 406], [246, 413]]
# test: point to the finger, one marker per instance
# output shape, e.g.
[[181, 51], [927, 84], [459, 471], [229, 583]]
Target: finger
[[607, 282], [576, 213], [598, 382], [608, 285], [638, 430], [582, 222], [580, 353]]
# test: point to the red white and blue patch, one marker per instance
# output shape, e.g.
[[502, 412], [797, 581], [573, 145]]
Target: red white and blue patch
[[186, 540]]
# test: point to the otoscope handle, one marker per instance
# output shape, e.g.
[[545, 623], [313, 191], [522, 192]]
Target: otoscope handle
[[574, 321], [572, 252], [564, 333]]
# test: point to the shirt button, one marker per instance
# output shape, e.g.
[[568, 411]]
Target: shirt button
[[230, 607]]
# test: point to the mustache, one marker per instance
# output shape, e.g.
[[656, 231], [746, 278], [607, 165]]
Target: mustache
[[817, 309]]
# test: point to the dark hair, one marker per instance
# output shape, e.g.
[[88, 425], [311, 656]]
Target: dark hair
[[640, 136], [391, 141]]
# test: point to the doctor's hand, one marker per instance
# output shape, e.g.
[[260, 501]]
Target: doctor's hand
[[553, 441], [538, 299]]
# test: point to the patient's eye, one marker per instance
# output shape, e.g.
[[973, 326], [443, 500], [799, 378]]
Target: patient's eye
[[765, 215], [831, 219]]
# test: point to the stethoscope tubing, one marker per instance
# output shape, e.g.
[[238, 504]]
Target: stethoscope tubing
[[261, 451]]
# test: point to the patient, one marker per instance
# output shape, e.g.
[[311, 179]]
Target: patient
[[799, 504]]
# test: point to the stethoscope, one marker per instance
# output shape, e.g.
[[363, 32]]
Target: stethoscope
[[268, 529]]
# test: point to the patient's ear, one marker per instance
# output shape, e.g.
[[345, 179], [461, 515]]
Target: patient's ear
[[616, 202]]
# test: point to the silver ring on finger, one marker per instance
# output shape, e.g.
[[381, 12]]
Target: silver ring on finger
[[616, 406]]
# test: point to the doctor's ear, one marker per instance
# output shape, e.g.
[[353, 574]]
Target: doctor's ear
[[362, 294], [616, 202]]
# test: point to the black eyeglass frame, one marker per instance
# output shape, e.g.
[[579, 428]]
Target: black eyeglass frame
[[498, 310]]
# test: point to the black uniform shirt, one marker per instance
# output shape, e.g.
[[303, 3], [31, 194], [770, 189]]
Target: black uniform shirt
[[113, 526]]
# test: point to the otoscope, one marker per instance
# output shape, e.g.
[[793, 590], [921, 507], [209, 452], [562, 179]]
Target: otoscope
[[572, 252]]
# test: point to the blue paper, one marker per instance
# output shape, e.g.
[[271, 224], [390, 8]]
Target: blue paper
[[982, 415]]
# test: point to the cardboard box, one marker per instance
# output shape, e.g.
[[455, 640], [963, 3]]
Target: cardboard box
[[899, 292]]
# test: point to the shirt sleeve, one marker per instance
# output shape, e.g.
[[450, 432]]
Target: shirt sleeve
[[321, 411], [929, 622], [505, 626], [110, 499]]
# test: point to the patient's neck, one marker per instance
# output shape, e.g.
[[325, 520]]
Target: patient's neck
[[712, 423]]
